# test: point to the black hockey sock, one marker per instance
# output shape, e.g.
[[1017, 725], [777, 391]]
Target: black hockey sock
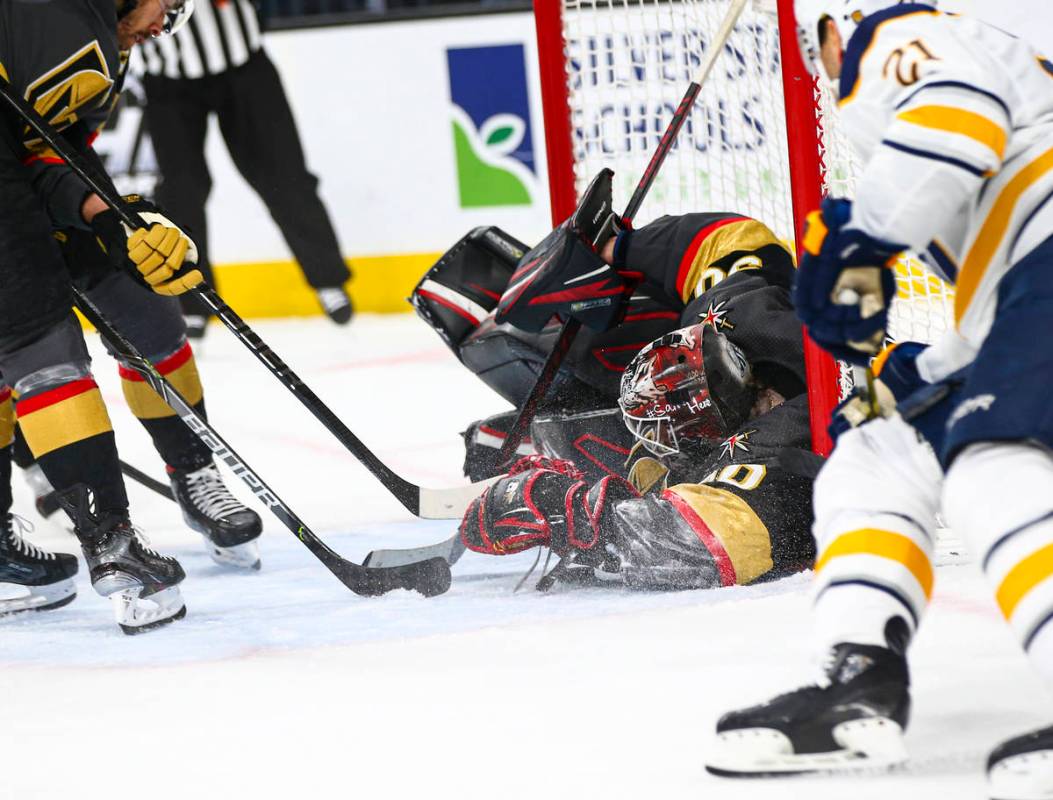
[[179, 447]]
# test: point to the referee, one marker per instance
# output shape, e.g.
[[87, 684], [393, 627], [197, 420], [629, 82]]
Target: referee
[[216, 64]]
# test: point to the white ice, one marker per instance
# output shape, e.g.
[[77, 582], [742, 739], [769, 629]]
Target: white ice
[[284, 684]]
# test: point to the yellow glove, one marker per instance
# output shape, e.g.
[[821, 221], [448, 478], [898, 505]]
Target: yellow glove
[[162, 255]]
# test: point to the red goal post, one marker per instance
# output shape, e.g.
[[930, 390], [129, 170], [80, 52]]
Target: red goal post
[[631, 60]]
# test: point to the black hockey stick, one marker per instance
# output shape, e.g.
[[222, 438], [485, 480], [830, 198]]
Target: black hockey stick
[[430, 577], [141, 477], [446, 503], [570, 328]]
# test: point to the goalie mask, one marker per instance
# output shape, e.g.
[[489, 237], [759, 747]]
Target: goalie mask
[[691, 385]]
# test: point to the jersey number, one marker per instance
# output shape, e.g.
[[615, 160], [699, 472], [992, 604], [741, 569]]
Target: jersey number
[[905, 61], [745, 476]]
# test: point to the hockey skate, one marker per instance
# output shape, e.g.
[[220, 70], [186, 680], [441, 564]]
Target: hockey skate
[[142, 584], [853, 719], [32, 579], [1022, 768], [230, 529]]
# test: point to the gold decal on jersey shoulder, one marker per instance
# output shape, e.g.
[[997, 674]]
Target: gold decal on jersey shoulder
[[81, 81]]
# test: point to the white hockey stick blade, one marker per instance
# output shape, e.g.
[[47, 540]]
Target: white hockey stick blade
[[451, 503], [450, 550]]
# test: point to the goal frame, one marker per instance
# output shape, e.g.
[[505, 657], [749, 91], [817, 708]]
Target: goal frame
[[806, 168]]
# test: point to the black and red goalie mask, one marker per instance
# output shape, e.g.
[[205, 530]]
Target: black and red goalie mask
[[689, 386]]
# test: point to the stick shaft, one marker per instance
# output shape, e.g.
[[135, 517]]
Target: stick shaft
[[141, 477]]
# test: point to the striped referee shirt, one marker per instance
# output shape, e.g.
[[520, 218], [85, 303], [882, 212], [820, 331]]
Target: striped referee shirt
[[220, 35]]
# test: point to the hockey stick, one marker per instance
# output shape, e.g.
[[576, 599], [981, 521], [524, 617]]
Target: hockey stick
[[570, 328], [141, 477], [430, 577], [446, 503]]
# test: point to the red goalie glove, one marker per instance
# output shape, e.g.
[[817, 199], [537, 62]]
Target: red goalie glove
[[548, 506]]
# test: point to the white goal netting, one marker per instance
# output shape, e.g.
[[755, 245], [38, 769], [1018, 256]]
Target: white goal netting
[[628, 63]]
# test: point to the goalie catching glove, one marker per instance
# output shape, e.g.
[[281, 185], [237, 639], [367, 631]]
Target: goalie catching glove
[[845, 284], [543, 502], [160, 255]]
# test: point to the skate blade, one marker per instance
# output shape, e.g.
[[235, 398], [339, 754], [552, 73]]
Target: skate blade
[[867, 744], [1028, 776], [36, 598], [239, 556], [136, 614]]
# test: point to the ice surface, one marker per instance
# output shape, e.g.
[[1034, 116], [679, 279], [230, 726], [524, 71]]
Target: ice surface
[[284, 684]]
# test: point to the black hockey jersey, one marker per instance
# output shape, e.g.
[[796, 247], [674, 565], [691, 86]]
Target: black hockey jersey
[[682, 261], [63, 57], [739, 512]]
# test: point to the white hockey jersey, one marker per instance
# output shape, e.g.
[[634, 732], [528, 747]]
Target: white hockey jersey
[[953, 119]]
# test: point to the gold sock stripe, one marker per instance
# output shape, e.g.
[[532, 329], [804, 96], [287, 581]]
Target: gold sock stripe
[[63, 415], [1024, 577], [7, 417], [884, 544], [181, 371]]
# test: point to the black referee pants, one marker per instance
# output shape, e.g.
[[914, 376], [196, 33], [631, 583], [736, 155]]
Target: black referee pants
[[260, 132]]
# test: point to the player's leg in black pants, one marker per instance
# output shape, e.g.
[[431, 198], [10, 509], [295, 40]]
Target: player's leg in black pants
[[260, 132], [177, 117]]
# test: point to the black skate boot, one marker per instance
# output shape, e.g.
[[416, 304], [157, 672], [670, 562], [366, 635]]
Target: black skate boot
[[855, 719], [32, 579], [142, 584], [1022, 768], [336, 303], [230, 529]]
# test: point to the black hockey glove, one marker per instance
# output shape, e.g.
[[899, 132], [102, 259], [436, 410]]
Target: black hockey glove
[[542, 502], [161, 256]]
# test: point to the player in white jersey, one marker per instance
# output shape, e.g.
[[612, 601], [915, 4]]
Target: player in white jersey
[[953, 120]]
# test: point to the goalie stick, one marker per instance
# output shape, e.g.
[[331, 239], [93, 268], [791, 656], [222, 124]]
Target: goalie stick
[[571, 326], [429, 577], [429, 503]]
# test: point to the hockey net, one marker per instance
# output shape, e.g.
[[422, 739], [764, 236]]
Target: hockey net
[[613, 73]]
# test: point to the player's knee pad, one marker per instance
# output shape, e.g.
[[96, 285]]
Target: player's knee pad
[[58, 402], [878, 468], [997, 496], [873, 579], [876, 500]]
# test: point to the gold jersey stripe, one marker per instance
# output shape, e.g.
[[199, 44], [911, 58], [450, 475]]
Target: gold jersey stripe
[[958, 120], [884, 544], [747, 235], [145, 403], [994, 230], [1024, 577], [735, 524], [70, 420]]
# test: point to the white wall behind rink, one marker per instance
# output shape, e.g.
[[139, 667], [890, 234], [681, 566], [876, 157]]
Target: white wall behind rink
[[373, 107], [374, 111]]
